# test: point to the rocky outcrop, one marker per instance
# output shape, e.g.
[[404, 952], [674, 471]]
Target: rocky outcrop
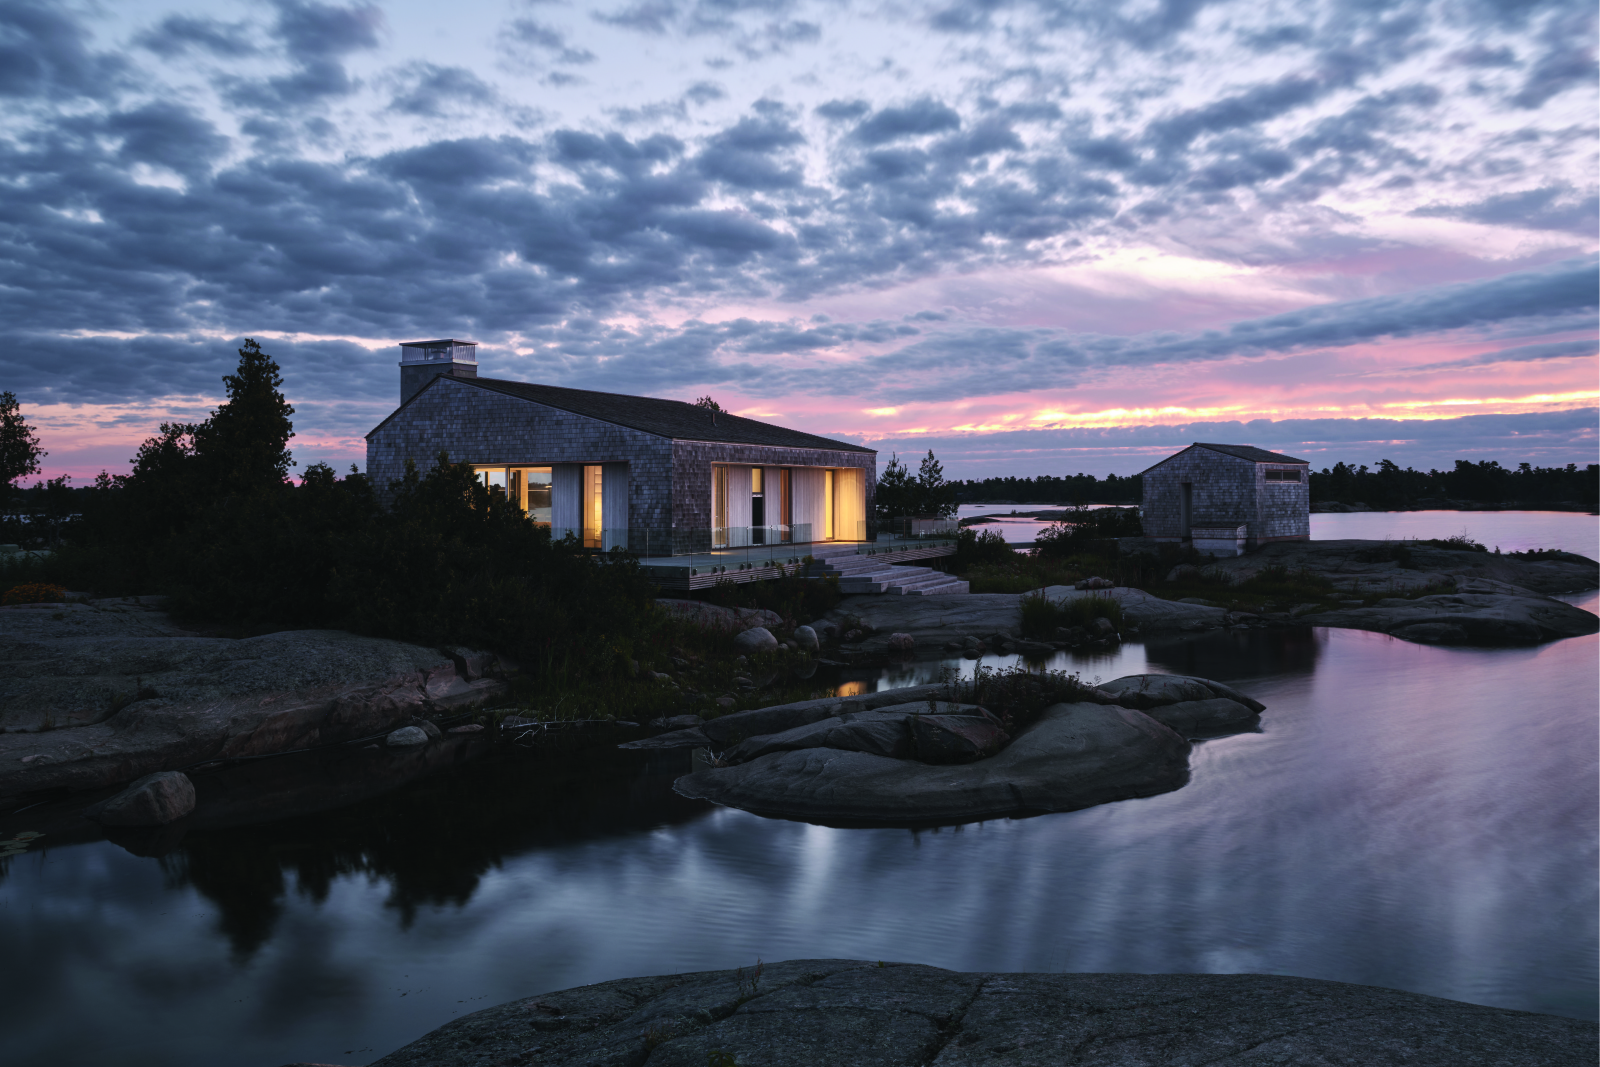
[[1366, 567], [154, 800], [1073, 756], [729, 730], [104, 692], [805, 1013], [715, 617], [1466, 619]]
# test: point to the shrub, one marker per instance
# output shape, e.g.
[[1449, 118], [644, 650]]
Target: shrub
[[34, 593], [1041, 615], [1459, 543], [1017, 695], [975, 549]]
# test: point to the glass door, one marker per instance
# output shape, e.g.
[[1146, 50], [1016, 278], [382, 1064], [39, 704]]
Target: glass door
[[593, 495]]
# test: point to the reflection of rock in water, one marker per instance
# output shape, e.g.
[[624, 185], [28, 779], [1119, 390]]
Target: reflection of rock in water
[[1238, 653], [432, 841]]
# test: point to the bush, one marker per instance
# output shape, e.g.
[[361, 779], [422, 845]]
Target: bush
[[1087, 525], [1459, 543], [1041, 615], [1017, 695], [34, 593], [976, 549]]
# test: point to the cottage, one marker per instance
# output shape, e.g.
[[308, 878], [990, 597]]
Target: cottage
[[1226, 498], [655, 477]]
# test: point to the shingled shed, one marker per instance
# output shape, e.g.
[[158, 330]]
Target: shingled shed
[[1225, 498]]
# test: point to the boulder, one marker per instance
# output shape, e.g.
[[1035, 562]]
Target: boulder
[[473, 664], [955, 738], [883, 734], [429, 727], [729, 730], [903, 644], [1466, 618], [1073, 756], [1147, 613], [827, 1012], [1153, 690], [1095, 583], [1199, 719], [806, 638], [1102, 627], [467, 728], [756, 639], [406, 736], [154, 800], [716, 617]]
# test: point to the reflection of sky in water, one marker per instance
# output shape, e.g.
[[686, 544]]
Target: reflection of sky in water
[[1422, 818]]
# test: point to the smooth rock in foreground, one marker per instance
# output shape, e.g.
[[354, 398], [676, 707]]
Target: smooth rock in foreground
[[1074, 756], [406, 736], [806, 638], [1466, 619], [755, 639], [1145, 691], [154, 800], [819, 1013]]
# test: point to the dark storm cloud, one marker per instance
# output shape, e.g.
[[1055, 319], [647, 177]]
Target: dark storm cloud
[[432, 91], [1545, 439], [527, 33], [1520, 354], [754, 28], [1553, 207], [178, 35], [44, 52], [917, 118]]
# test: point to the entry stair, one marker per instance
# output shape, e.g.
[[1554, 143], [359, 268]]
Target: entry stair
[[866, 574]]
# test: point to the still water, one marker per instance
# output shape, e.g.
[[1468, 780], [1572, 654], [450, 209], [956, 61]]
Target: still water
[[1414, 817], [1510, 531]]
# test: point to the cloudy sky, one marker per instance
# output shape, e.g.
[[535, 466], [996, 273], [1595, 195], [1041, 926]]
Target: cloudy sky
[[1040, 236]]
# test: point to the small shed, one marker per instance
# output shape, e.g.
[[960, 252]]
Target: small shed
[[1226, 498]]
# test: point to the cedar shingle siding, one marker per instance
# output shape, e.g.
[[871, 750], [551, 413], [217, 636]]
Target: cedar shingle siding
[[1229, 485], [669, 445]]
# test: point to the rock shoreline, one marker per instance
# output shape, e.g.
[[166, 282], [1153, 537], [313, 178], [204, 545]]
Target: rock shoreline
[[805, 1013], [99, 693]]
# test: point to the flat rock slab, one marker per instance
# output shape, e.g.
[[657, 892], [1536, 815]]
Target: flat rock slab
[[1150, 614], [809, 1013], [1144, 691], [716, 617], [1073, 756], [100, 693], [1467, 619], [1364, 566]]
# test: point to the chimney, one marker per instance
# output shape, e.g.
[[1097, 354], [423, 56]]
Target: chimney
[[423, 361]]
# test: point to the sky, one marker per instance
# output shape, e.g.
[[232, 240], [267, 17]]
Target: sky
[[1036, 236]]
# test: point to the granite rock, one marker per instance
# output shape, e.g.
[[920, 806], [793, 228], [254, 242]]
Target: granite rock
[[808, 1013], [154, 800]]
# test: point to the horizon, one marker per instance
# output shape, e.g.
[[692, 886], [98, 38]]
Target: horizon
[[1033, 239]]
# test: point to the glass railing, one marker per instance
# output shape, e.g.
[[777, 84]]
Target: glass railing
[[778, 542]]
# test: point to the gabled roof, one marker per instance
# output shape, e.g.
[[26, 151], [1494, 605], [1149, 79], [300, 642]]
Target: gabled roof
[[1246, 452], [674, 419]]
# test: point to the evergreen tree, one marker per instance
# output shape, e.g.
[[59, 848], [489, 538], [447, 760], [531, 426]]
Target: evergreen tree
[[244, 446], [707, 403], [19, 445], [897, 491], [935, 496]]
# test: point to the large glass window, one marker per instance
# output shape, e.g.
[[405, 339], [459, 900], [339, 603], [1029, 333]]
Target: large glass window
[[528, 487], [593, 516]]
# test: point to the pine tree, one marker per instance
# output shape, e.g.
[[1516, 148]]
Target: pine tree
[[896, 493], [19, 445], [936, 497], [243, 447]]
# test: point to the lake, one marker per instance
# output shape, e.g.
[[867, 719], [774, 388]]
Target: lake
[[1510, 531], [1415, 817]]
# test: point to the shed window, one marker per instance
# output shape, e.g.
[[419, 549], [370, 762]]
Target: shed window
[[1283, 476]]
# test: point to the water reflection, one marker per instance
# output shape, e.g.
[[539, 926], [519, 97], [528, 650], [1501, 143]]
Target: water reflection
[[1423, 818]]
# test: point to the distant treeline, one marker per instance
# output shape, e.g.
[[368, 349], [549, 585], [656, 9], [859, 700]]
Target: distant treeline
[[1486, 482], [1047, 489], [1387, 486]]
